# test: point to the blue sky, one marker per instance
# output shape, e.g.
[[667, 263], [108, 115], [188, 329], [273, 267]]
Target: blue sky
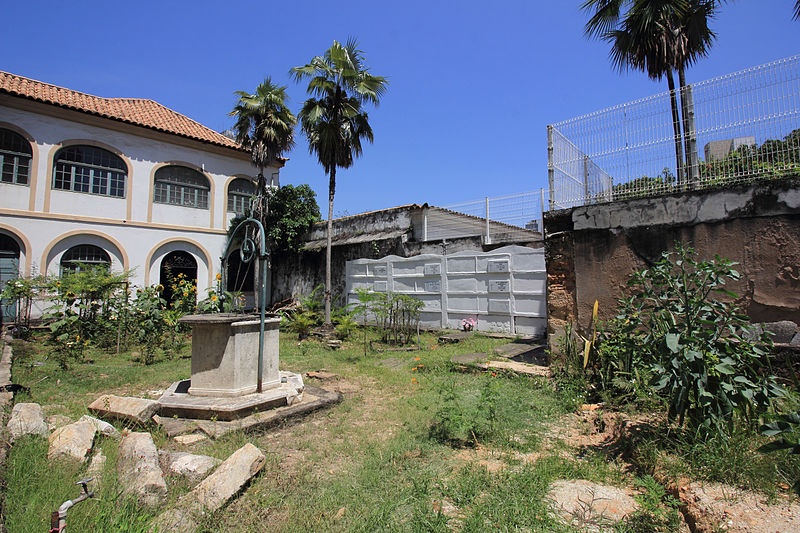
[[473, 85]]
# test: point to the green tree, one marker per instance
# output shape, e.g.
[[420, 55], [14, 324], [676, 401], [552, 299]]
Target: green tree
[[334, 120], [265, 126], [291, 211], [657, 37]]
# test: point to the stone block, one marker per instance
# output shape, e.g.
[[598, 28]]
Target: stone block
[[136, 410], [27, 419], [229, 478], [73, 441], [191, 438], [139, 471], [95, 471], [56, 421], [192, 467], [782, 332], [104, 428]]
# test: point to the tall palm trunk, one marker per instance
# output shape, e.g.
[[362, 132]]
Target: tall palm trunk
[[686, 132], [331, 191], [676, 128]]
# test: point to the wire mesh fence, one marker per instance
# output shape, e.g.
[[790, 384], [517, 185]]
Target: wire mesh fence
[[502, 218], [731, 129]]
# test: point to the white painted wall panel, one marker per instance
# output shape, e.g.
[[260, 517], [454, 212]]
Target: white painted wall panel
[[503, 290]]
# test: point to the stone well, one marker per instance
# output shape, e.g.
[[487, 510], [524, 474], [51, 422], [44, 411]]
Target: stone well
[[224, 380], [225, 354]]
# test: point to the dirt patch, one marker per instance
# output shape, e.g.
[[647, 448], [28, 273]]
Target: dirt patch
[[482, 456], [591, 506], [610, 433], [711, 507]]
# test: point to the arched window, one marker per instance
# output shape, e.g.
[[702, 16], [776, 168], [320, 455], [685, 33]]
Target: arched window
[[178, 185], [174, 264], [84, 255], [15, 157], [90, 169], [239, 192]]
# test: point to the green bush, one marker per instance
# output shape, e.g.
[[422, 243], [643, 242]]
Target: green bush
[[682, 326], [465, 421], [149, 309]]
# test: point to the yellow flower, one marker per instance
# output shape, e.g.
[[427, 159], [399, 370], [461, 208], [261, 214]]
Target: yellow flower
[[214, 298], [160, 288], [219, 277], [185, 294]]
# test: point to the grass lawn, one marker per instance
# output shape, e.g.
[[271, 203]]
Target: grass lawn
[[389, 457]]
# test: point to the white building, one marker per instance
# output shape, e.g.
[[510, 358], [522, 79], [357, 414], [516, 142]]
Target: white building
[[122, 181]]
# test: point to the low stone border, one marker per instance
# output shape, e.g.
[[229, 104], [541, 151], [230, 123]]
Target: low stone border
[[314, 398], [6, 401]]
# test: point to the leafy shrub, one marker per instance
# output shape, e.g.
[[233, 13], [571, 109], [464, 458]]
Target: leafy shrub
[[301, 323], [787, 427], [149, 315], [693, 343], [346, 325], [462, 421], [397, 315], [657, 512]]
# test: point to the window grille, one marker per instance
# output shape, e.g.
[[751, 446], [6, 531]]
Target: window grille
[[15, 158], [91, 170], [177, 185], [239, 193], [84, 254]]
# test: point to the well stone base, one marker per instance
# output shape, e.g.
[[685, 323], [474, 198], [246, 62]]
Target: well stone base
[[177, 401]]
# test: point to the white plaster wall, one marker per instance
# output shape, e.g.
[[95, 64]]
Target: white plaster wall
[[503, 290], [14, 196], [51, 238], [68, 220], [143, 155]]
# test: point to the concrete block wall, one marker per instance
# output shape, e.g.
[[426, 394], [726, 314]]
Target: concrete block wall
[[503, 290], [593, 250]]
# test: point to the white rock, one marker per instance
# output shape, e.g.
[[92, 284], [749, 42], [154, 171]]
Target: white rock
[[56, 421], [137, 410], [139, 472], [104, 428], [73, 441], [215, 490], [95, 471], [192, 467], [27, 419], [191, 438]]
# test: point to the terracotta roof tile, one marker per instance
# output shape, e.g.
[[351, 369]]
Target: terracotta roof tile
[[137, 111]]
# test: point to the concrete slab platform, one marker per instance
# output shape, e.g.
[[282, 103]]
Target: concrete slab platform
[[313, 399], [452, 338], [522, 352], [177, 402], [469, 358]]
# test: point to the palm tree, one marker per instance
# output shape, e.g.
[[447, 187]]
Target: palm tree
[[334, 120], [796, 15], [657, 37], [264, 125]]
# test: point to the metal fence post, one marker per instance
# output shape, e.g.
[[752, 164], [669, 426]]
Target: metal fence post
[[488, 236], [551, 171], [692, 132], [541, 199], [585, 179]]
